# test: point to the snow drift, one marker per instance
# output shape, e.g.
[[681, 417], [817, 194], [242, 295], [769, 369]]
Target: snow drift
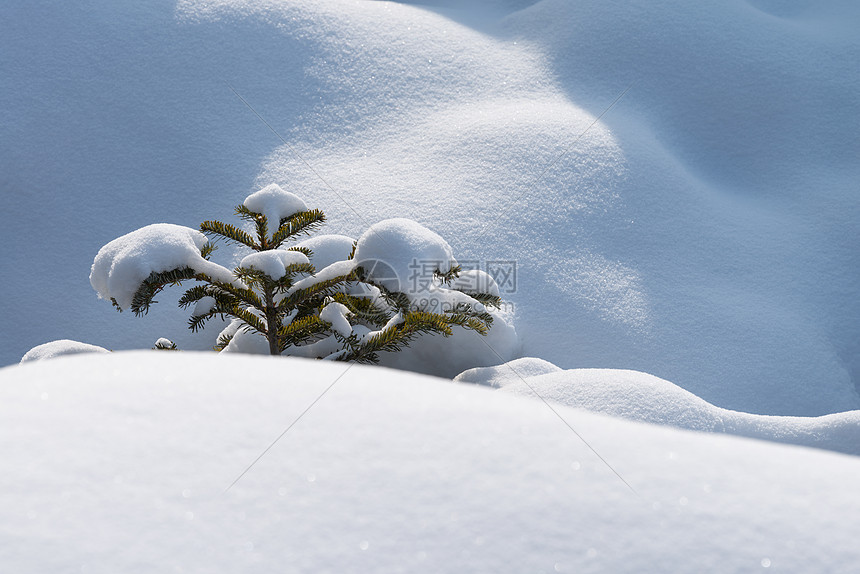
[[642, 397], [118, 463]]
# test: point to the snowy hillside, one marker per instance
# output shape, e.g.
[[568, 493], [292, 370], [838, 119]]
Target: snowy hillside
[[120, 462], [704, 230]]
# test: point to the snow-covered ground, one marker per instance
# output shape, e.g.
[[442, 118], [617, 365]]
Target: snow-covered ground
[[665, 191], [120, 462]]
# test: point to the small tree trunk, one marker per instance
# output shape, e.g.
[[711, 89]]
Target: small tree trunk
[[271, 322]]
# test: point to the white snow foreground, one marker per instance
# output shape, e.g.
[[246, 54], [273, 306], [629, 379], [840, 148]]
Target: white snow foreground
[[642, 397], [119, 463], [123, 264]]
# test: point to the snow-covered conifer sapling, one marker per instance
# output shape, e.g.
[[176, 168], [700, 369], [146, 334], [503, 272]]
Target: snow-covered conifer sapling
[[348, 310]]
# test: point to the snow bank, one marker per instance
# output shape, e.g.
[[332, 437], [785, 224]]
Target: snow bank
[[275, 203], [59, 348], [641, 397], [118, 463], [123, 264]]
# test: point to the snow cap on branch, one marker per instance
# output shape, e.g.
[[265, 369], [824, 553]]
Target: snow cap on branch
[[273, 263], [408, 250], [123, 264], [275, 204]]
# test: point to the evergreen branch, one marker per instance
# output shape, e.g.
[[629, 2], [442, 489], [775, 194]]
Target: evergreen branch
[[301, 222], [304, 250], [450, 275], [156, 281], [207, 250], [250, 319], [364, 308], [301, 331], [426, 322], [285, 282], [196, 322], [322, 289], [246, 214], [251, 277], [193, 295], [395, 337], [229, 232], [243, 296], [262, 224], [223, 341], [400, 301], [469, 311], [485, 299], [468, 322]]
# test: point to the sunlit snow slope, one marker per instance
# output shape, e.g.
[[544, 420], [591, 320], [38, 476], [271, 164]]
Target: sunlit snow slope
[[119, 463], [703, 230]]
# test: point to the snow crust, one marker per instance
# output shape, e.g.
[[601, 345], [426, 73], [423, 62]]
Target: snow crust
[[642, 397], [274, 262], [59, 348], [123, 264], [119, 463], [275, 203]]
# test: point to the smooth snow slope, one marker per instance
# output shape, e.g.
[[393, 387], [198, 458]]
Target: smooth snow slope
[[641, 397], [119, 463], [703, 231]]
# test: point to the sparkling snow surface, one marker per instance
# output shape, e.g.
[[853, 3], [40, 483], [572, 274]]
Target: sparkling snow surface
[[119, 463]]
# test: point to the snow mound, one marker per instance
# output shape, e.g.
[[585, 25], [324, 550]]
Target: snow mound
[[641, 397], [274, 262], [108, 457], [402, 255], [501, 375], [59, 348], [275, 203], [123, 264]]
